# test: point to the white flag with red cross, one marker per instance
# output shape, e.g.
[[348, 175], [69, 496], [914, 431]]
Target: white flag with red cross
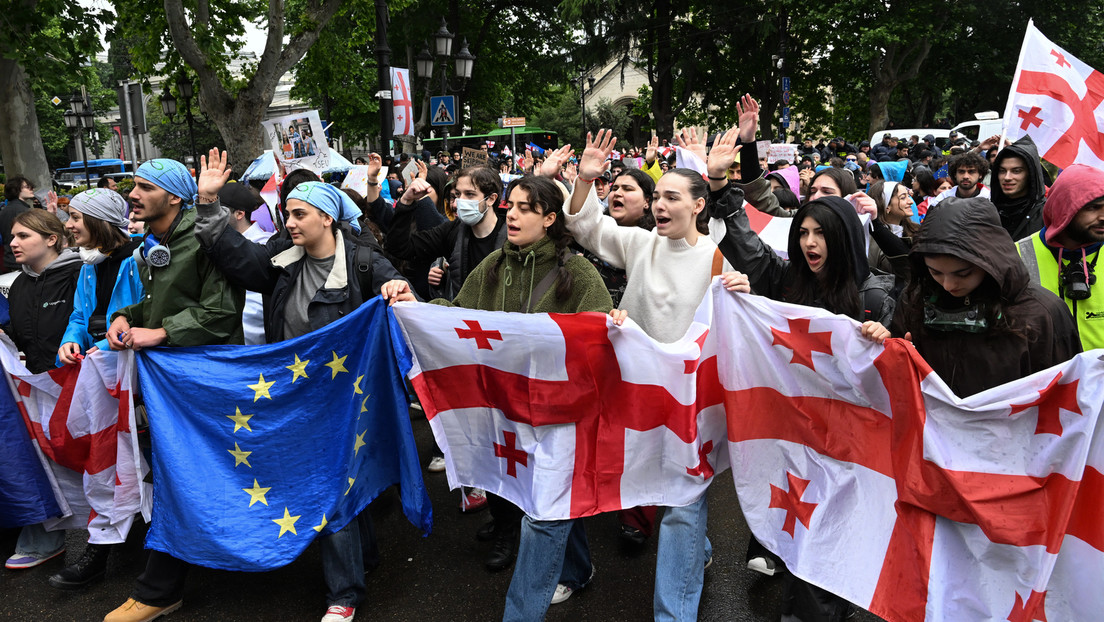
[[1056, 100], [872, 480], [81, 418], [567, 415], [853, 461], [402, 105]]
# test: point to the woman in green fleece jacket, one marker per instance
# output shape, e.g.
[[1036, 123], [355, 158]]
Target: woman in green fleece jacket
[[533, 272]]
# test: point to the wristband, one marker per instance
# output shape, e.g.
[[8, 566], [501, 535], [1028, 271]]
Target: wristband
[[207, 200], [585, 180], [711, 178]]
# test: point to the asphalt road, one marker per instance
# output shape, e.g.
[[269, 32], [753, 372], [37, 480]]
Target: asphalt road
[[420, 579]]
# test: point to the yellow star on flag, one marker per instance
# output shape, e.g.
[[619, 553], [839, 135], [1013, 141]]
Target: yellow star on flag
[[359, 443], [240, 420], [337, 365], [356, 386], [257, 493], [299, 368], [319, 528], [287, 523], [240, 457], [351, 480], [261, 388], [364, 404]]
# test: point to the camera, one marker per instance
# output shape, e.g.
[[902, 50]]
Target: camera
[[1077, 278]]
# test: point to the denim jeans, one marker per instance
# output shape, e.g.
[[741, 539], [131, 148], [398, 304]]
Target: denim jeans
[[551, 552], [343, 566], [35, 540], [680, 562]]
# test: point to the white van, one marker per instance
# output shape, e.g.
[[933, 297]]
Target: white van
[[984, 125]]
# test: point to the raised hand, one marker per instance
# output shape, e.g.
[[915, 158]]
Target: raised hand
[[375, 163], [570, 172], [748, 109], [554, 161], [593, 163], [722, 155], [688, 139], [653, 148], [214, 170], [423, 170], [417, 190]]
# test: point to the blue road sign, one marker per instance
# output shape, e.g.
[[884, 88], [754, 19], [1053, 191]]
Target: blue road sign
[[786, 117], [443, 110], [785, 98], [785, 84]]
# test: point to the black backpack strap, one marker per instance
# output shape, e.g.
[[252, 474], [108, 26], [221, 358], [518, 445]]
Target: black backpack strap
[[363, 267]]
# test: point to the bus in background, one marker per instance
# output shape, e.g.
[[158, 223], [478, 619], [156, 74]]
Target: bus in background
[[72, 176]]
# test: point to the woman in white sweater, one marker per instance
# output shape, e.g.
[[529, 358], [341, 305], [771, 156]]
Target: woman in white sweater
[[669, 269]]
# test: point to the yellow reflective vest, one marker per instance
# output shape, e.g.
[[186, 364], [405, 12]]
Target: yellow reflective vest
[[1043, 267]]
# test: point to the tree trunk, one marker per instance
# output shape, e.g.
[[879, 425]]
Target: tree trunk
[[879, 106], [241, 131], [21, 141]]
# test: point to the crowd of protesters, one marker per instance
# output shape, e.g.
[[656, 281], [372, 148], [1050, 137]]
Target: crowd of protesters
[[976, 252]]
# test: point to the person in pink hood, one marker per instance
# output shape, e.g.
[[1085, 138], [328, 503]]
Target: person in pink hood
[[1062, 256]]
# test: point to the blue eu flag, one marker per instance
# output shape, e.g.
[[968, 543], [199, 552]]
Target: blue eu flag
[[26, 496], [258, 450]]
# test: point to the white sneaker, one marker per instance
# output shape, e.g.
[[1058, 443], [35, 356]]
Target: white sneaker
[[563, 592], [436, 465], [764, 565], [338, 613]]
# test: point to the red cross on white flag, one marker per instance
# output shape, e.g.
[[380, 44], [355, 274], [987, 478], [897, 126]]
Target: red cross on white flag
[[402, 105], [1056, 99]]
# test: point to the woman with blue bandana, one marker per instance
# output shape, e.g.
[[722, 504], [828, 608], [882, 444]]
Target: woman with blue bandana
[[311, 278], [108, 281]]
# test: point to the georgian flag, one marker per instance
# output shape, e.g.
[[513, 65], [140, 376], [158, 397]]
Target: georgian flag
[[1056, 99], [402, 106], [853, 461], [81, 418], [566, 415]]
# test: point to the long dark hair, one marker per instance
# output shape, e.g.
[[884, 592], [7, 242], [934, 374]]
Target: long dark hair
[[647, 186], [698, 190], [103, 236], [546, 197], [835, 289]]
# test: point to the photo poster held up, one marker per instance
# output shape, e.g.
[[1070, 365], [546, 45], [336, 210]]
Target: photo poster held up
[[298, 141]]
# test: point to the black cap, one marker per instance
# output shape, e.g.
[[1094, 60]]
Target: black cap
[[240, 196]]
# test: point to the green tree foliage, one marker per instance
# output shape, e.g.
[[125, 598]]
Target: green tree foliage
[[172, 138]]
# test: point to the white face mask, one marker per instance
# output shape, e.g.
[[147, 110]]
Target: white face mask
[[468, 211], [91, 256]]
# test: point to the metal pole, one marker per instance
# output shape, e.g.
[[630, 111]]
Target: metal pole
[[191, 135], [513, 141], [444, 91], [383, 61], [84, 156], [582, 98]]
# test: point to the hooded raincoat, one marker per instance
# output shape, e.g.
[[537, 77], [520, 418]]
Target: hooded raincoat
[[1040, 332], [1022, 216]]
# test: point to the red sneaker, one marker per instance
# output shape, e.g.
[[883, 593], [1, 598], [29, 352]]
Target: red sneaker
[[339, 613], [473, 500]]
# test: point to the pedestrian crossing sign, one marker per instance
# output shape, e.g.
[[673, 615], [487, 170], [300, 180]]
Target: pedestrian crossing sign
[[443, 108]]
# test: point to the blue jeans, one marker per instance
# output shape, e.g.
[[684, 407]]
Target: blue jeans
[[551, 552], [680, 562], [35, 540], [343, 565]]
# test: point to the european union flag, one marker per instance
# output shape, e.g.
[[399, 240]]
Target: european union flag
[[258, 450], [26, 496]]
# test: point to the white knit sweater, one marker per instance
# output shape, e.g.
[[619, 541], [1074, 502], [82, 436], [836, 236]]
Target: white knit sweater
[[666, 278]]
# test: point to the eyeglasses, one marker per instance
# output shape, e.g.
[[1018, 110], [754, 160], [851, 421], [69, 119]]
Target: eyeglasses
[[852, 159]]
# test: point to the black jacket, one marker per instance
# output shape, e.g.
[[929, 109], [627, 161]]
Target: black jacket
[[271, 269], [1045, 333], [40, 306], [449, 239], [1023, 216], [767, 272]]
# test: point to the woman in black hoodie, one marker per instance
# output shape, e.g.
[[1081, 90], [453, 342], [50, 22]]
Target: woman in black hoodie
[[971, 309]]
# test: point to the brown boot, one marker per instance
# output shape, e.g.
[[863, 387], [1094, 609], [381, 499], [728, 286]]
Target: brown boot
[[134, 611]]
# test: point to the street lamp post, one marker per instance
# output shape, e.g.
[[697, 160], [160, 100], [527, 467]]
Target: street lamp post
[[79, 118], [169, 108], [465, 62]]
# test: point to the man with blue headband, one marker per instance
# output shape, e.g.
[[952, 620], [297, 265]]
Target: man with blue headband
[[188, 302], [311, 277]]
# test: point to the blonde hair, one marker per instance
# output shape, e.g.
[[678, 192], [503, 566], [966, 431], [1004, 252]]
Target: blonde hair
[[45, 224]]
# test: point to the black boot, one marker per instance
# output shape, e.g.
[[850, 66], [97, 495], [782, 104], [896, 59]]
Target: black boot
[[505, 548], [91, 567], [487, 532]]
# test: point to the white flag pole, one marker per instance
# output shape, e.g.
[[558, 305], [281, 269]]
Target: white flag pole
[[1009, 108]]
